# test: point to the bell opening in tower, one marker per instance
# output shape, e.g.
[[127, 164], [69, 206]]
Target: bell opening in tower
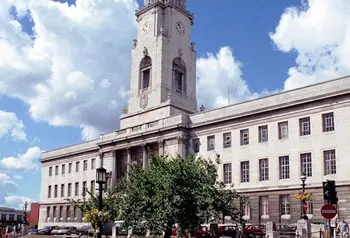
[[145, 78], [145, 72], [179, 76]]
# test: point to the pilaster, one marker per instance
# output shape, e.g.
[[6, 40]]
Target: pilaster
[[128, 161], [144, 157], [114, 168]]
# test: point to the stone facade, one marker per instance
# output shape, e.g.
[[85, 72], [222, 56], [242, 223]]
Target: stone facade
[[11, 215], [265, 144]]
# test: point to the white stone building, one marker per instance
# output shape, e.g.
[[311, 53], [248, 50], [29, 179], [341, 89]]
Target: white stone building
[[264, 144]]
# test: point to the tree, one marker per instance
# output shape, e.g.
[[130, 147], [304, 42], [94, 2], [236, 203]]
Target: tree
[[175, 190]]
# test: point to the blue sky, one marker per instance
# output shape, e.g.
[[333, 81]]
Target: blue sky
[[65, 69]]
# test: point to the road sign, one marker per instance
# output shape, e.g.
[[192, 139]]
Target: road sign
[[328, 211]]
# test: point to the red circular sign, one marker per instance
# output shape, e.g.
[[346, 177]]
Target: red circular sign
[[328, 211]]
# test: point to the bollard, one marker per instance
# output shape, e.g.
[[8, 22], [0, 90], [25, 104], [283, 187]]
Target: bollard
[[320, 232]]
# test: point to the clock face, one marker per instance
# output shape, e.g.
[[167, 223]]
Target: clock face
[[180, 28], [146, 26]]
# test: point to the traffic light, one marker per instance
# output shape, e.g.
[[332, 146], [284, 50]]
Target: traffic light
[[329, 192]]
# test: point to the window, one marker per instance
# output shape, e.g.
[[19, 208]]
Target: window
[[54, 213], [92, 187], [70, 168], [227, 173], [328, 121], [85, 165], [69, 192], [309, 206], [3, 217], [84, 188], [61, 212], [56, 170], [11, 217], [283, 130], [264, 169], [246, 210], [244, 171], [76, 189], [226, 139], [19, 218], [211, 143], [77, 166], [330, 164], [48, 210], [306, 164], [304, 125], [50, 171], [195, 145], [284, 167], [93, 161], [179, 76], [264, 205], [285, 205], [56, 191], [263, 134], [68, 212], [63, 168], [62, 190], [245, 137], [145, 72], [49, 192]]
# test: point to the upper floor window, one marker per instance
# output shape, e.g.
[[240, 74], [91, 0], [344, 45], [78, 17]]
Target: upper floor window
[[245, 178], [70, 168], [195, 145], [284, 167], [244, 136], [56, 170], [263, 133], [56, 191], [227, 139], [264, 169], [306, 164], [50, 171], [69, 192], [63, 168], [92, 187], [179, 75], [77, 166], [211, 143], [62, 190], [84, 188], [93, 163], [85, 165], [145, 72], [49, 192], [330, 162], [328, 121], [76, 192], [227, 173], [283, 130], [304, 126]]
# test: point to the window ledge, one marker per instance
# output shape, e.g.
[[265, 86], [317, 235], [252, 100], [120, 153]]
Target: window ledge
[[285, 217]]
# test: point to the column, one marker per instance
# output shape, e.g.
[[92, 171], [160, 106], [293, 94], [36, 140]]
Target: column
[[144, 157], [161, 147], [128, 162], [114, 168]]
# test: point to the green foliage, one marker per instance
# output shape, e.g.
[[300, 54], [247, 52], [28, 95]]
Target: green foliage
[[175, 190]]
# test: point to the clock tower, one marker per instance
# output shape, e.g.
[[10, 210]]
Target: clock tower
[[163, 67]]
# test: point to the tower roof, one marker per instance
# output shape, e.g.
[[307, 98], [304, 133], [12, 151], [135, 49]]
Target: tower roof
[[177, 3]]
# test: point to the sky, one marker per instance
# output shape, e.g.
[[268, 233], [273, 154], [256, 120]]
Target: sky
[[65, 66]]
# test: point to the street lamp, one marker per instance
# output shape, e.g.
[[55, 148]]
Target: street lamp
[[25, 212], [303, 179], [101, 180]]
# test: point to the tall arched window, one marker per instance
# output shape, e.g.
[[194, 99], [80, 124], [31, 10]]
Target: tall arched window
[[179, 75], [145, 72]]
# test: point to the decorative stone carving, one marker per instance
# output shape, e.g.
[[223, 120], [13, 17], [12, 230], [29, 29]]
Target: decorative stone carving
[[143, 101], [193, 46], [135, 43], [181, 139], [202, 108], [145, 51]]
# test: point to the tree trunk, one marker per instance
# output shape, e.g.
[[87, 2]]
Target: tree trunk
[[167, 233]]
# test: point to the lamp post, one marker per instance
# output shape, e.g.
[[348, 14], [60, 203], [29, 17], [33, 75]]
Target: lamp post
[[100, 179], [25, 213], [303, 179]]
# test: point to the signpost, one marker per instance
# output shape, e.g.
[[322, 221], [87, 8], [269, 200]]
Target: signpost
[[328, 211]]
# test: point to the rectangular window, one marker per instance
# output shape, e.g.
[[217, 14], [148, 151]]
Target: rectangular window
[[48, 210], [146, 76], [309, 207], [245, 172], [246, 209], [54, 213], [328, 121], [50, 171], [283, 130], [92, 187], [263, 134], [285, 205], [284, 167], [68, 212], [264, 205], [227, 173], [49, 192], [62, 190], [226, 139], [63, 168], [56, 191], [305, 126], [77, 166], [70, 168], [85, 165], [84, 188], [93, 161], [195, 145], [69, 190], [61, 212], [306, 164], [76, 189], [264, 169], [330, 162], [56, 170], [210, 143], [244, 137]]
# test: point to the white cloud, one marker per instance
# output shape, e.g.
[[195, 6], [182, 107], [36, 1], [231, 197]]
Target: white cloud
[[319, 33], [26, 161], [17, 176], [220, 80], [11, 125], [71, 67], [6, 186], [18, 202]]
